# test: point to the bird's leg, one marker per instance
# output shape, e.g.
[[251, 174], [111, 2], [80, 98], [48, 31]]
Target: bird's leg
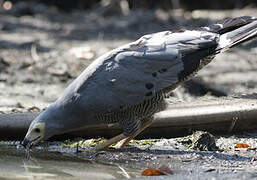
[[122, 143], [122, 140], [109, 142]]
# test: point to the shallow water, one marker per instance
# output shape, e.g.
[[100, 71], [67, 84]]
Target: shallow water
[[52, 165]]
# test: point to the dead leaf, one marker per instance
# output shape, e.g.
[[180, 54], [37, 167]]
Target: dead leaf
[[152, 172], [163, 170], [242, 145]]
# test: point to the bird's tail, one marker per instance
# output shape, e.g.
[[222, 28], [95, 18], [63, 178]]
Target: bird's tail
[[234, 31]]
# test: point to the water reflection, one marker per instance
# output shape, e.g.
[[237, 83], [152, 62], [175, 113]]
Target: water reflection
[[47, 165], [33, 168]]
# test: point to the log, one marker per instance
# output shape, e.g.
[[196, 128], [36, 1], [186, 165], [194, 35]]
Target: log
[[14, 126], [218, 116]]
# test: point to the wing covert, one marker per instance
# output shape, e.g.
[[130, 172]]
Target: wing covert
[[136, 71]]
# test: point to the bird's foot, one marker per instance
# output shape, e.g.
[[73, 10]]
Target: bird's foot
[[109, 142], [122, 143]]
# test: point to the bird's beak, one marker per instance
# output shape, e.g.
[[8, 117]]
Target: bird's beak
[[26, 143]]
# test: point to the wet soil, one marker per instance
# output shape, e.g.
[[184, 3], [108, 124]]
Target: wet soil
[[61, 159]]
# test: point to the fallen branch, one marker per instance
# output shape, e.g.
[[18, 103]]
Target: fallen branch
[[216, 116]]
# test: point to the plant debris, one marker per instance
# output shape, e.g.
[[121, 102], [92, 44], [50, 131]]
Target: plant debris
[[203, 141], [83, 143]]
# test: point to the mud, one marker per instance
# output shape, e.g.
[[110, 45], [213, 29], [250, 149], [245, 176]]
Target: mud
[[178, 154]]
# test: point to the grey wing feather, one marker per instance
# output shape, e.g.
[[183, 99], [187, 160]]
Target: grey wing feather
[[135, 72]]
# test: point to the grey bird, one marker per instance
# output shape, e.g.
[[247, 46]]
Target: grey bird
[[128, 85]]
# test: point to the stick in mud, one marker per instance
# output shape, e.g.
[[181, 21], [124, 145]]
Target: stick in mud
[[215, 115]]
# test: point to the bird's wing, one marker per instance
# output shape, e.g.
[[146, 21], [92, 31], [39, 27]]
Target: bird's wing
[[135, 72]]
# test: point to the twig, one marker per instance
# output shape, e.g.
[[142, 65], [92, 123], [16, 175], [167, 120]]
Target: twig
[[126, 175], [34, 54]]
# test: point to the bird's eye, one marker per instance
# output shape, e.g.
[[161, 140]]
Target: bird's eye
[[37, 130]]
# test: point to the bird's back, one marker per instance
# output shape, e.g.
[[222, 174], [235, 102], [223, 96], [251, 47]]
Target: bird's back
[[132, 81]]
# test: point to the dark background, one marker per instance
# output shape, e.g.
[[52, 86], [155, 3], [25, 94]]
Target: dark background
[[68, 5]]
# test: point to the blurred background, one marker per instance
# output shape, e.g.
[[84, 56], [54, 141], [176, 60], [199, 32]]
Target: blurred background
[[45, 44], [69, 6]]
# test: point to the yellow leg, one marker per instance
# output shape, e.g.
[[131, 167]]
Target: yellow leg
[[123, 142], [109, 142]]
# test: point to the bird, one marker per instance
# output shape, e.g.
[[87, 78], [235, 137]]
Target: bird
[[131, 83]]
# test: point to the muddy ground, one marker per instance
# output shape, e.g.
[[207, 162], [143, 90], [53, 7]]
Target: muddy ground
[[42, 50]]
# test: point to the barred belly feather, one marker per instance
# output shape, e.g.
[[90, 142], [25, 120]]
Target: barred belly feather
[[135, 113]]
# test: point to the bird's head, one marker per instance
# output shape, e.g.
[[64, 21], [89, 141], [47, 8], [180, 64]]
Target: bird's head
[[44, 126], [35, 134]]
